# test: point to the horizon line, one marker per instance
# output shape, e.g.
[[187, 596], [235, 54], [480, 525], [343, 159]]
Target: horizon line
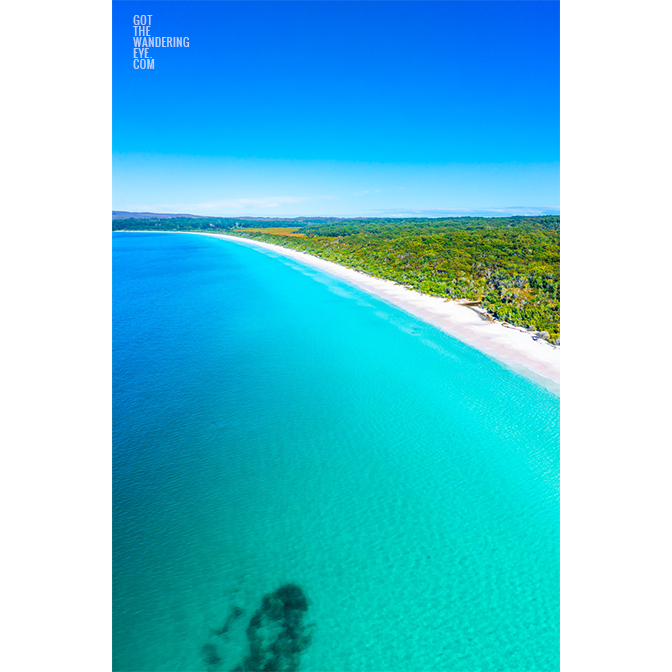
[[427, 214]]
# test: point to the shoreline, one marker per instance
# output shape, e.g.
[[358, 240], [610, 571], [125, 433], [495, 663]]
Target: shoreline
[[509, 345]]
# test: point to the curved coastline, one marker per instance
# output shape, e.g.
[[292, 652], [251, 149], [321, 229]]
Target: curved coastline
[[511, 346], [536, 360]]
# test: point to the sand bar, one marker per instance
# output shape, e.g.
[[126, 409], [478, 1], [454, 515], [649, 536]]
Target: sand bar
[[515, 348]]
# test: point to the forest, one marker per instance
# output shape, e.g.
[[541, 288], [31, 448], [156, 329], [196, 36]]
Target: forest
[[510, 265]]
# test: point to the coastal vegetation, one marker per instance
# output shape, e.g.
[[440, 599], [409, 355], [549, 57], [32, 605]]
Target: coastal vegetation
[[280, 231], [510, 266]]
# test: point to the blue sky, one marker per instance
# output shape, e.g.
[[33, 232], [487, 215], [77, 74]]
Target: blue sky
[[339, 108]]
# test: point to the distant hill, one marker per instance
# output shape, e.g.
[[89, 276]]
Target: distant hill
[[123, 214]]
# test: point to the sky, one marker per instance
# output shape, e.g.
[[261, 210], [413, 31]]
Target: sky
[[339, 109]]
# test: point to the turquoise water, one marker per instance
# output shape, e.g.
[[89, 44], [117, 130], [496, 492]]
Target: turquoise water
[[276, 427]]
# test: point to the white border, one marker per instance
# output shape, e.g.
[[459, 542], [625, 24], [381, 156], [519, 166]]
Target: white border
[[56, 337], [615, 239]]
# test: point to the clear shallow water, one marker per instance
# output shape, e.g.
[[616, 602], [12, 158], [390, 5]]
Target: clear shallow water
[[273, 426]]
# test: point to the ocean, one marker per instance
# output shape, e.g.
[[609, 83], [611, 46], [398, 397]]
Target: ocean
[[307, 478]]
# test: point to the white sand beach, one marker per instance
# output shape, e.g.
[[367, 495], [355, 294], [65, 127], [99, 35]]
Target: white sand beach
[[537, 360]]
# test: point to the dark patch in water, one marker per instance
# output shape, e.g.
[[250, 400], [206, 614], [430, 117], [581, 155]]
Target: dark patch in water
[[234, 614], [276, 633], [210, 655]]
